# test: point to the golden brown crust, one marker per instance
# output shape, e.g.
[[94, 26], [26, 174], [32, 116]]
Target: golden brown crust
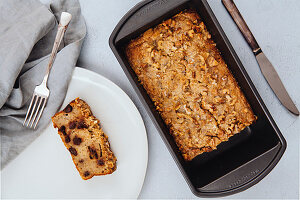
[[82, 135], [184, 74]]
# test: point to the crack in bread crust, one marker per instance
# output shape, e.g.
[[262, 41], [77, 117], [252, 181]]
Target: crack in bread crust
[[82, 135]]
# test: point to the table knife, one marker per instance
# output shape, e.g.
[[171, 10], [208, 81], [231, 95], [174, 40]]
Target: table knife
[[265, 65]]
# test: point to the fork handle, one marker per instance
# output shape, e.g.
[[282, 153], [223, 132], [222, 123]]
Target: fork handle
[[65, 19]]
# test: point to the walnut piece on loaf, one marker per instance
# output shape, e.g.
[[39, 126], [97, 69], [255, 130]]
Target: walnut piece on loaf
[[82, 135]]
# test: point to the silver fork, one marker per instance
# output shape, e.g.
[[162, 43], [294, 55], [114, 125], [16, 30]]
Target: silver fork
[[41, 92]]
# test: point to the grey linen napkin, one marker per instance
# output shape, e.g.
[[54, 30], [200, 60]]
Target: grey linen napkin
[[27, 33]]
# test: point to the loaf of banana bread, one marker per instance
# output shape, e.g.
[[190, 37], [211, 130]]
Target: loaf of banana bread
[[184, 74], [82, 135]]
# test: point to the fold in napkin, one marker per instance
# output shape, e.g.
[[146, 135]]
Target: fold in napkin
[[27, 34]]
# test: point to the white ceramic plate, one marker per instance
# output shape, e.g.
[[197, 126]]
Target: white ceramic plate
[[45, 168]]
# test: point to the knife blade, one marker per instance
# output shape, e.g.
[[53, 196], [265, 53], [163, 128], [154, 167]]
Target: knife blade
[[265, 65], [275, 83]]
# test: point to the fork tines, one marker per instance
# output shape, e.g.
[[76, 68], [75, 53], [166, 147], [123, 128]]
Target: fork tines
[[35, 111], [41, 92]]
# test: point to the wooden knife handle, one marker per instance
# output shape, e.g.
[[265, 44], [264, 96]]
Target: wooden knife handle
[[240, 22]]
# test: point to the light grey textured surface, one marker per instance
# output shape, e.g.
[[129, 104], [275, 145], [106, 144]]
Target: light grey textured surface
[[275, 24]]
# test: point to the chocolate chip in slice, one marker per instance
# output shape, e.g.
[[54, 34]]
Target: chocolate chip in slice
[[100, 162], [68, 108], [72, 125], [67, 139], [81, 161], [86, 173], [73, 151], [63, 130], [77, 140], [81, 125], [93, 152]]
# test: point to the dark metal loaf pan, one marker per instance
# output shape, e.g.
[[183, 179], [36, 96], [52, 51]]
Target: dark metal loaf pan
[[248, 156]]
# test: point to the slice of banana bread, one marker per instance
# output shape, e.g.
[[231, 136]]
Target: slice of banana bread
[[82, 135]]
